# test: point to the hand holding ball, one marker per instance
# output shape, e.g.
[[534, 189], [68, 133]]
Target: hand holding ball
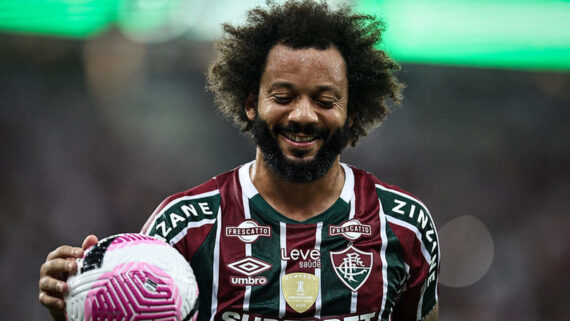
[[132, 277]]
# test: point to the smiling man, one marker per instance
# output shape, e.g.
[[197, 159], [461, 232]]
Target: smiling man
[[296, 234]]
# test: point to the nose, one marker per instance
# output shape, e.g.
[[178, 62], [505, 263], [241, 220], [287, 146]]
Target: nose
[[303, 112]]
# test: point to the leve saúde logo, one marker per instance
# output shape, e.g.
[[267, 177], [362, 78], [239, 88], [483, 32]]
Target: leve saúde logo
[[352, 266]]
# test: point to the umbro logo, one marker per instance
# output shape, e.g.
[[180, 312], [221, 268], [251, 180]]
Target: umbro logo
[[250, 267]]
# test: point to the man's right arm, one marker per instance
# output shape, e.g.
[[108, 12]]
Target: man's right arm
[[59, 265]]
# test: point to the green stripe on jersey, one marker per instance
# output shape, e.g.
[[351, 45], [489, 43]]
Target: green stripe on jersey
[[264, 300], [338, 208], [396, 272], [337, 296], [202, 264]]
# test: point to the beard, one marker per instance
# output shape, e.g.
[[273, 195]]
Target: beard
[[299, 171]]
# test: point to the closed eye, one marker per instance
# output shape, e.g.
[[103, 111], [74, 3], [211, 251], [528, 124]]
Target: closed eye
[[325, 103], [283, 100]]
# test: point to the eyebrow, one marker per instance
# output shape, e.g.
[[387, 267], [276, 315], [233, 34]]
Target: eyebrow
[[287, 85], [334, 89], [280, 84]]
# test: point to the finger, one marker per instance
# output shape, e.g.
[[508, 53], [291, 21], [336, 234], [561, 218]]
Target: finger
[[58, 267], [89, 241], [65, 251], [52, 285], [51, 302]]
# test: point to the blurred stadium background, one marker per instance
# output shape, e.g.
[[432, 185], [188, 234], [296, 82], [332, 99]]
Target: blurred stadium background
[[103, 113]]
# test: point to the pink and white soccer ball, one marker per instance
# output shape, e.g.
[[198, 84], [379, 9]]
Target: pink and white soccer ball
[[129, 277]]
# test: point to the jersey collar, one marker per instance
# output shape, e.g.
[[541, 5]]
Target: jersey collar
[[347, 193]]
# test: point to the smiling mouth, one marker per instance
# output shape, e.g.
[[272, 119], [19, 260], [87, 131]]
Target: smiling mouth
[[299, 139]]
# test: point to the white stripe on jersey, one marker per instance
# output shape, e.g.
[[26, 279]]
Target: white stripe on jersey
[[247, 186], [384, 238], [414, 229], [347, 192], [190, 225], [216, 267], [353, 302], [352, 208], [247, 216], [283, 245], [354, 296], [318, 270], [421, 302]]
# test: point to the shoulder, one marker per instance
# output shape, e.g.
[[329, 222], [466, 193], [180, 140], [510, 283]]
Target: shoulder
[[409, 220], [408, 211], [406, 214], [194, 207]]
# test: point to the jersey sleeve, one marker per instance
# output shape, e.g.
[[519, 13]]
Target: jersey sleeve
[[412, 223], [184, 220]]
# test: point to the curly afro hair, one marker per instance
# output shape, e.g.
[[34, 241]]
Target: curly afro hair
[[243, 51]]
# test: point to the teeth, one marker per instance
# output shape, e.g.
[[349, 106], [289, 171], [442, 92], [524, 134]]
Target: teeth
[[299, 139]]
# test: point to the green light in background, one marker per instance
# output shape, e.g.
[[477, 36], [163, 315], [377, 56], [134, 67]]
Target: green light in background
[[506, 34], [529, 34], [70, 18], [157, 20]]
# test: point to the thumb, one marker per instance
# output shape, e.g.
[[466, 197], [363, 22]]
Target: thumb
[[89, 241]]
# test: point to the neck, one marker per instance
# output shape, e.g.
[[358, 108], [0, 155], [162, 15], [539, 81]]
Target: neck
[[297, 201]]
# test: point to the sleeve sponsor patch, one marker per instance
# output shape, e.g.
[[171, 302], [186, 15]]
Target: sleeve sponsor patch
[[412, 214], [183, 213]]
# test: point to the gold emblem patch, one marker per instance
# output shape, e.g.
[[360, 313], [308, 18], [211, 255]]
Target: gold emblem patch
[[300, 290]]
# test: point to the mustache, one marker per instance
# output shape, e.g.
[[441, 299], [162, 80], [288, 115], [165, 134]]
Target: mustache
[[296, 128]]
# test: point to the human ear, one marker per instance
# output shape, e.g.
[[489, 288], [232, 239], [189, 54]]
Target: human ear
[[250, 107]]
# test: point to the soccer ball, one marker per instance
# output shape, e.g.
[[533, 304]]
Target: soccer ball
[[128, 277]]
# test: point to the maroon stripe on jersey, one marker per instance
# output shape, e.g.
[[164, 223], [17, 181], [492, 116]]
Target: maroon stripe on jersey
[[406, 308], [232, 249], [189, 245], [301, 239], [367, 207], [185, 246]]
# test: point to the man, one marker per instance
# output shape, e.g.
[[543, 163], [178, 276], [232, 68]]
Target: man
[[296, 234]]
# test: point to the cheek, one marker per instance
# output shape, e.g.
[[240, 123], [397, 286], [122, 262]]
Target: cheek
[[335, 118], [271, 113]]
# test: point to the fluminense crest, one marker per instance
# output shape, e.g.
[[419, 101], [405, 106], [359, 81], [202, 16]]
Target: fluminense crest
[[352, 266]]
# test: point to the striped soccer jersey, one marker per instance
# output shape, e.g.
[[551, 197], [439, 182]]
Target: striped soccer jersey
[[373, 255]]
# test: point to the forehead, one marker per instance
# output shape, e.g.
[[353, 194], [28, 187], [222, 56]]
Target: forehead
[[308, 64]]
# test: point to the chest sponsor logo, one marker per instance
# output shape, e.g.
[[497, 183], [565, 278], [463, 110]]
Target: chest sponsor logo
[[307, 259], [350, 230], [352, 266], [249, 267], [248, 231], [240, 316], [300, 290]]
